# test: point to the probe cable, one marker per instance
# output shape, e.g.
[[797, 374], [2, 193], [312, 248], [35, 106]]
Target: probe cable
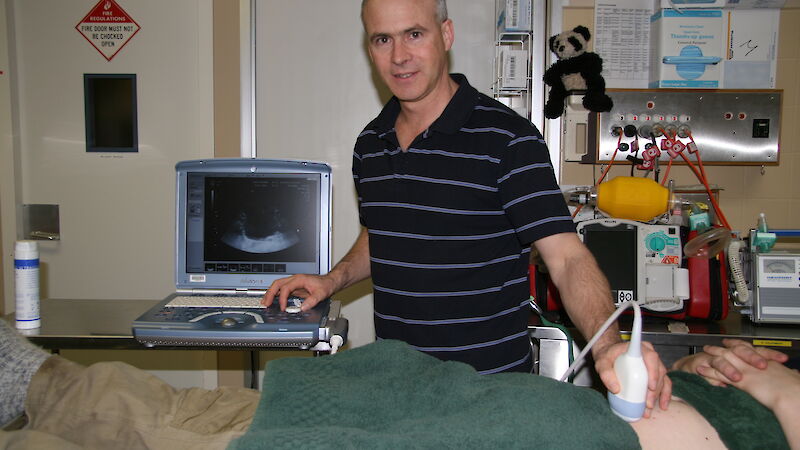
[[620, 308], [579, 359], [547, 323]]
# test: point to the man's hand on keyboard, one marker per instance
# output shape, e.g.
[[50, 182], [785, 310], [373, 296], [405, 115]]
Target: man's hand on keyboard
[[312, 288]]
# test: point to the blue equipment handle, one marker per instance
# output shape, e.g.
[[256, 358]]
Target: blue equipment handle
[[691, 59]]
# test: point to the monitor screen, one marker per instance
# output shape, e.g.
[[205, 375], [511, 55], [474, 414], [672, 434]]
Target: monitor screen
[[253, 223], [245, 223]]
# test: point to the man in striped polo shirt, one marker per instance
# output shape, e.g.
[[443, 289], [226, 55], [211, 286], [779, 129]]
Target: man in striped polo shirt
[[454, 190]]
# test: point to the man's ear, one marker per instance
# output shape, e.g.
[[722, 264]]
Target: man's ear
[[448, 34]]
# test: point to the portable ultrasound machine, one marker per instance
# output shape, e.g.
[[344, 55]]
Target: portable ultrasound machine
[[240, 225]]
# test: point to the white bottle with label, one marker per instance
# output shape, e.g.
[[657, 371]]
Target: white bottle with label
[[26, 283]]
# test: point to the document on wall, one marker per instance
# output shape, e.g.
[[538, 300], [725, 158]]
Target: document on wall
[[622, 39], [752, 47]]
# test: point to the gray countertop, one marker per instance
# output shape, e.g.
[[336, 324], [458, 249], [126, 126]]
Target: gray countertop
[[106, 324], [87, 324], [100, 325]]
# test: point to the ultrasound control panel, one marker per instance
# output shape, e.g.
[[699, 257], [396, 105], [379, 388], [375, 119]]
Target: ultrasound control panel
[[227, 326], [233, 318]]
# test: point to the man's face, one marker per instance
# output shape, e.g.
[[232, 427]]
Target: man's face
[[408, 46]]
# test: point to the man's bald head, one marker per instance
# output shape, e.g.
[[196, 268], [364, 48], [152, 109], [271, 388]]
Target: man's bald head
[[441, 9]]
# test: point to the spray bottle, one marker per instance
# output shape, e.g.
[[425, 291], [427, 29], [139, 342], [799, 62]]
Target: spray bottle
[[26, 282], [629, 403]]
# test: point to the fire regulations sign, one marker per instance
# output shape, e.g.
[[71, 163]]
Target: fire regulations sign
[[108, 28]]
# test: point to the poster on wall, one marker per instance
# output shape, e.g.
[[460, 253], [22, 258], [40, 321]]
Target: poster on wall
[[108, 28], [622, 39]]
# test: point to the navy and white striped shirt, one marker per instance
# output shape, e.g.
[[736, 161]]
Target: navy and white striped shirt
[[450, 224]]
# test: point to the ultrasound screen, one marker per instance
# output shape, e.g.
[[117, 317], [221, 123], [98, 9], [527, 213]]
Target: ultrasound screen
[[252, 223]]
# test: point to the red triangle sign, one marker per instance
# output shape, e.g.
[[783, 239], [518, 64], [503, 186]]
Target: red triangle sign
[[108, 28]]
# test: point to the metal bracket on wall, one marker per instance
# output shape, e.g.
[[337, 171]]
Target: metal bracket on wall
[[576, 127], [40, 222], [730, 127]]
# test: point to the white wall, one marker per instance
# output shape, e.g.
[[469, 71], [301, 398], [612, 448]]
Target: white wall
[[117, 210], [117, 224], [315, 91]]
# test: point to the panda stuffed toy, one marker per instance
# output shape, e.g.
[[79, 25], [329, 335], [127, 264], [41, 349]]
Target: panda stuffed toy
[[575, 70]]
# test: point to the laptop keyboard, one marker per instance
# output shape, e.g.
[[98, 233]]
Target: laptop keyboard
[[221, 301]]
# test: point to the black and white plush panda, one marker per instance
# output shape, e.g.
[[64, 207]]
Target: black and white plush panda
[[575, 70]]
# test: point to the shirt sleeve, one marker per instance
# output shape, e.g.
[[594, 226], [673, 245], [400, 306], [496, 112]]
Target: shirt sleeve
[[531, 198], [356, 179]]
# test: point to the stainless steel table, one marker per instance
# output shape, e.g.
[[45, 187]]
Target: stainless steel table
[[673, 339], [106, 325], [87, 324]]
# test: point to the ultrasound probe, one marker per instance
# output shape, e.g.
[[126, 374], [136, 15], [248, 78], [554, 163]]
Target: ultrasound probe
[[629, 403]]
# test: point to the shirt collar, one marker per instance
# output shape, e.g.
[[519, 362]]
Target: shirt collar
[[457, 112], [454, 116]]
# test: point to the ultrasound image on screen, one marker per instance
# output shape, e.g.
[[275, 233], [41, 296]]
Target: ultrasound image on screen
[[261, 219]]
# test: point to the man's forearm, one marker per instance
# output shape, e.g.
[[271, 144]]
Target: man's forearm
[[587, 297], [354, 266]]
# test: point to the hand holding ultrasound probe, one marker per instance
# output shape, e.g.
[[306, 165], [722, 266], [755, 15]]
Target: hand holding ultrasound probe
[[629, 402]]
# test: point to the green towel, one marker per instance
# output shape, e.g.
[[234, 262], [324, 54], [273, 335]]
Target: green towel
[[388, 395], [741, 422]]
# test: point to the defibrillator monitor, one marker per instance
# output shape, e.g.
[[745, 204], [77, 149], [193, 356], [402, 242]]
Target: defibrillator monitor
[[242, 223], [641, 261], [616, 251]]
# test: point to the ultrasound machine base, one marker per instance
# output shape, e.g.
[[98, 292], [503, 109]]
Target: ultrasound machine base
[[231, 328]]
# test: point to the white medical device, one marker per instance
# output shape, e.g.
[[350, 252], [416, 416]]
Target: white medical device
[[641, 261], [776, 288]]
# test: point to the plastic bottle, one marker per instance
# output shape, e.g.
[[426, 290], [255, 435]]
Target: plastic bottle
[[26, 283]]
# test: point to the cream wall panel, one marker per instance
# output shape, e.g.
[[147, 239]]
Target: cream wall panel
[[227, 93], [117, 224], [117, 210], [7, 166]]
